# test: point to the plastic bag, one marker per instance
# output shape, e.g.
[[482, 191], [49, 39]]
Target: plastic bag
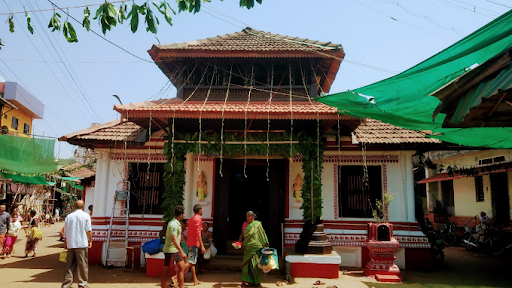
[[63, 256], [214, 250], [151, 247], [208, 254]]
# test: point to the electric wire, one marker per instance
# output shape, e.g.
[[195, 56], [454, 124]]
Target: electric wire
[[49, 67], [71, 72]]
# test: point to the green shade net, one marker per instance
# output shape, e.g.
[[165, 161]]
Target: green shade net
[[26, 179], [404, 100], [27, 155]]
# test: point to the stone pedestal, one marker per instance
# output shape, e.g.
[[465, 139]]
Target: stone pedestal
[[319, 243], [382, 247]]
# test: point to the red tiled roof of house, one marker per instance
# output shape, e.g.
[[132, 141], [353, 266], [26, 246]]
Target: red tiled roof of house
[[81, 172], [377, 132], [176, 107], [253, 40]]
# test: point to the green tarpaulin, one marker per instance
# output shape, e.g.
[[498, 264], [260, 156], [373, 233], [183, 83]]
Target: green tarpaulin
[[27, 155], [405, 99], [26, 179]]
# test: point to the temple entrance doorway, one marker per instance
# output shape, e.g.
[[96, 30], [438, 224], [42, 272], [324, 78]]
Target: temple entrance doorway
[[236, 194]]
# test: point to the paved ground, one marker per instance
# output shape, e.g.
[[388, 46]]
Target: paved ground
[[462, 269]]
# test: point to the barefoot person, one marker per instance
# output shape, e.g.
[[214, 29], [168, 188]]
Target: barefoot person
[[33, 234], [194, 240], [172, 249], [255, 239], [78, 240]]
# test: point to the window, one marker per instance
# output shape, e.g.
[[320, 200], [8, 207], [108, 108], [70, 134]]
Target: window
[[356, 198], [14, 123], [487, 161], [26, 128], [479, 188], [147, 188]]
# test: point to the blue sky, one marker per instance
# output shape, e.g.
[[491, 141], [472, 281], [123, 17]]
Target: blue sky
[[75, 81]]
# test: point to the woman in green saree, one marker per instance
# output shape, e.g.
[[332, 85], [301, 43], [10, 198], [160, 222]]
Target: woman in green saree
[[255, 239]]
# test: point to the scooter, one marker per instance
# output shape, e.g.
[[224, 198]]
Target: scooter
[[436, 242], [484, 238], [447, 232]]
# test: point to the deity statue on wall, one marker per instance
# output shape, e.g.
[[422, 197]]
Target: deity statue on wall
[[297, 188], [201, 186]]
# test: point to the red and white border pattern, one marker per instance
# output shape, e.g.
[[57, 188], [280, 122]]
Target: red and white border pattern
[[138, 157], [203, 158]]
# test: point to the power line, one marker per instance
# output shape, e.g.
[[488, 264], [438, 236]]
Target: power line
[[49, 67], [71, 7], [97, 34], [72, 74]]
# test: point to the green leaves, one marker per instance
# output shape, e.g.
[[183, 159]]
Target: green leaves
[[151, 20], [29, 25], [87, 23], [122, 10], [107, 15], [55, 22], [1, 43], [166, 10], [134, 14], [11, 23], [249, 3], [69, 32]]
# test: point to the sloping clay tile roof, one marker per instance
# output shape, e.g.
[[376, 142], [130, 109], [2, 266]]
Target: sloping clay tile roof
[[377, 132], [82, 172], [370, 132], [231, 110], [252, 40], [110, 131]]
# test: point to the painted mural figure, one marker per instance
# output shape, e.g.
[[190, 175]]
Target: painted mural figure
[[201, 187], [297, 188]]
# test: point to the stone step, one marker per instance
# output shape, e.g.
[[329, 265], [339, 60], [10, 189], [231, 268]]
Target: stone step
[[387, 278], [225, 263]]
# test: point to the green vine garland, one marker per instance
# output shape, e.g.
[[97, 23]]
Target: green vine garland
[[174, 176]]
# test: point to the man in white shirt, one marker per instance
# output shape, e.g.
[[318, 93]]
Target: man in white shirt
[[78, 239], [57, 215]]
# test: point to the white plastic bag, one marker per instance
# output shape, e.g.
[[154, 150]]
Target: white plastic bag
[[213, 250], [208, 254]]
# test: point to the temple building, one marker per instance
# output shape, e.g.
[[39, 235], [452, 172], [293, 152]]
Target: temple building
[[245, 104]]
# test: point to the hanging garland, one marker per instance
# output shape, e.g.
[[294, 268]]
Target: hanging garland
[[174, 176]]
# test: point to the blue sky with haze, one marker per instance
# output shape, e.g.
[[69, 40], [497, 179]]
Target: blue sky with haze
[[75, 81]]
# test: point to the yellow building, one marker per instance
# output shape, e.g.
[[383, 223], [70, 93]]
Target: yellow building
[[18, 108]]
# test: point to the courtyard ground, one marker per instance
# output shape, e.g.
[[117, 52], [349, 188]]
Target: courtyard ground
[[461, 269]]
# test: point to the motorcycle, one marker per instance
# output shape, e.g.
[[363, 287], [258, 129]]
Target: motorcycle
[[484, 238], [447, 232], [436, 242]]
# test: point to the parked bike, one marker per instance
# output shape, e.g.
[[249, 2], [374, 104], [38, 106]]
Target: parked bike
[[484, 238], [447, 233], [436, 242]]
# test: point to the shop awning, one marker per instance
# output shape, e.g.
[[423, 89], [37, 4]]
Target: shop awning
[[26, 179], [445, 176], [440, 177]]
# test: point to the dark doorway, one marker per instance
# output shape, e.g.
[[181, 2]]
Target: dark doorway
[[235, 195], [500, 200]]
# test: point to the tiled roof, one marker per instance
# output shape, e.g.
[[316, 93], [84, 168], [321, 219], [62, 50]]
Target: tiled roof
[[81, 172], [377, 132], [253, 40], [72, 167], [370, 132], [175, 107], [110, 131]]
